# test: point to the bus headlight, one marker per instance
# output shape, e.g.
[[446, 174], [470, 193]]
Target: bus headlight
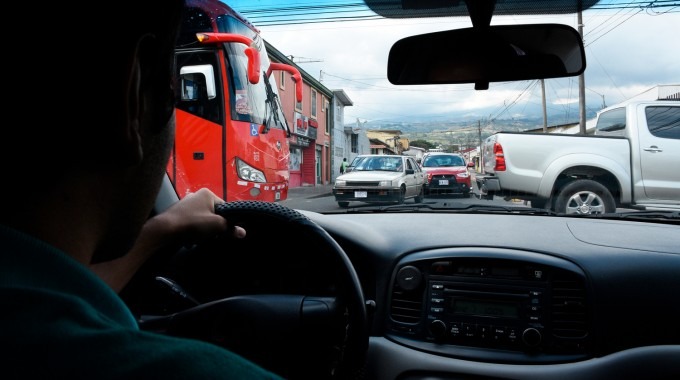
[[249, 173]]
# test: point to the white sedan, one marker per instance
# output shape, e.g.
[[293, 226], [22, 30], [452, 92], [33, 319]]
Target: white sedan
[[378, 178]]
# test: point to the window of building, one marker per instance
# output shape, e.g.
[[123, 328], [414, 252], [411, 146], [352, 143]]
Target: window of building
[[313, 103], [355, 143], [298, 105], [328, 116], [282, 80]]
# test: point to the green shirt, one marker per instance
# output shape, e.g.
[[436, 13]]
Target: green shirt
[[59, 320]]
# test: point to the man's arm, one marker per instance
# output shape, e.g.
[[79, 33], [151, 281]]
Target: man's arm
[[191, 219]]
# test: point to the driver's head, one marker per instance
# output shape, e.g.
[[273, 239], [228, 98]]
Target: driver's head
[[92, 94]]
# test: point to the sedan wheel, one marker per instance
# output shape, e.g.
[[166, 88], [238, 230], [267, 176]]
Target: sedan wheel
[[402, 195], [420, 196]]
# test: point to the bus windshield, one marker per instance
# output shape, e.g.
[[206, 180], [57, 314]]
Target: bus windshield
[[249, 102]]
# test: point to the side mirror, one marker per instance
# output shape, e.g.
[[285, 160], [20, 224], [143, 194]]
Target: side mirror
[[410, 171], [297, 78], [198, 82], [470, 164], [251, 52]]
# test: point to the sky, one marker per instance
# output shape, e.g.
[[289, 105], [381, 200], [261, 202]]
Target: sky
[[629, 49]]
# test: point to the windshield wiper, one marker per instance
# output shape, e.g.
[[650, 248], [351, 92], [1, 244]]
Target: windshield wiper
[[272, 103], [656, 215], [451, 207]]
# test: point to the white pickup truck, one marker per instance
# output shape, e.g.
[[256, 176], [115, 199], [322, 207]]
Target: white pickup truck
[[631, 161]]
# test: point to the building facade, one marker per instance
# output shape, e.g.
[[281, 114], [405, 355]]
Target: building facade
[[310, 121]]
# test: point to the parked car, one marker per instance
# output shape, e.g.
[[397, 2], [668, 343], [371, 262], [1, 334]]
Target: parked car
[[630, 161], [447, 173], [380, 178]]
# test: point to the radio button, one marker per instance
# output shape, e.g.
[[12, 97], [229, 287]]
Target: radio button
[[469, 330], [455, 330], [437, 300], [438, 329], [534, 309], [437, 310], [532, 337], [484, 332], [499, 333], [512, 335]]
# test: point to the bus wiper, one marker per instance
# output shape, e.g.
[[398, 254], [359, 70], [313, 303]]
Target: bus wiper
[[272, 104]]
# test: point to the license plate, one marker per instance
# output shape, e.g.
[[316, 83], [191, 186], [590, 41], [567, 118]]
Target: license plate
[[443, 182], [360, 194], [277, 196]]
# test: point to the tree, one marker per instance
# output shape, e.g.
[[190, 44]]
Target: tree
[[422, 144]]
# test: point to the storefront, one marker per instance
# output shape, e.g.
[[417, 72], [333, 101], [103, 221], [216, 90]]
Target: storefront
[[302, 142]]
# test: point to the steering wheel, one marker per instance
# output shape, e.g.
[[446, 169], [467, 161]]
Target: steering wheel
[[300, 315]]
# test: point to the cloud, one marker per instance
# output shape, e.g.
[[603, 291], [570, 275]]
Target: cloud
[[626, 54]]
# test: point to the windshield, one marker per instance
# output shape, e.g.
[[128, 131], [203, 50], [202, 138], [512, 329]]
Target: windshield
[[604, 142], [443, 160], [386, 163], [250, 102]]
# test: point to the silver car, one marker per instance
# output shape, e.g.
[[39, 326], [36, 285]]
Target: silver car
[[379, 178]]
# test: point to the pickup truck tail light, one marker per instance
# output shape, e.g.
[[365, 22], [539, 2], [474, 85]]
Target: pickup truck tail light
[[500, 157]]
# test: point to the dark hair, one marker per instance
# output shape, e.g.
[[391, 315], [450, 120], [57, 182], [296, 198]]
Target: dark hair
[[70, 89]]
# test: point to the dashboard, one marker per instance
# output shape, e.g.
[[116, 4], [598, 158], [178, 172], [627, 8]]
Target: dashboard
[[515, 296]]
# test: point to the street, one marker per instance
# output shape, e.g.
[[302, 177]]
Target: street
[[320, 199]]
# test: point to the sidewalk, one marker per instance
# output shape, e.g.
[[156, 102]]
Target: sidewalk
[[316, 191]]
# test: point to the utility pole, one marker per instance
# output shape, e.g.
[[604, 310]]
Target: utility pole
[[581, 85], [545, 114], [480, 158]]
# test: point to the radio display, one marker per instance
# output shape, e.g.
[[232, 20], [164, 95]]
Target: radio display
[[484, 308]]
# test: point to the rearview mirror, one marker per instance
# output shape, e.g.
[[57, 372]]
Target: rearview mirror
[[498, 53]]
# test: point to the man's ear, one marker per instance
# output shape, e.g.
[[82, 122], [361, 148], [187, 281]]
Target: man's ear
[[131, 134]]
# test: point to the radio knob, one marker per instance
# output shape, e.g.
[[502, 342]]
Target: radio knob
[[532, 337], [409, 277], [438, 329]]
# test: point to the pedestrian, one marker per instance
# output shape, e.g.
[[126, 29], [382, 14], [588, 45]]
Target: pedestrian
[[343, 166]]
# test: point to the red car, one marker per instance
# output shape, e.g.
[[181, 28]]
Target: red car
[[447, 173]]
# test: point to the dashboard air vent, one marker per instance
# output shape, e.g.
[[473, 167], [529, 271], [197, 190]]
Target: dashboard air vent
[[407, 295], [569, 310]]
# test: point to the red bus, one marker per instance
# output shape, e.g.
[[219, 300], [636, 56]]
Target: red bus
[[231, 135]]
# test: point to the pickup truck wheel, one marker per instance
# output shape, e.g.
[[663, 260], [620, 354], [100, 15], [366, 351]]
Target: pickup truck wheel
[[585, 196], [539, 203]]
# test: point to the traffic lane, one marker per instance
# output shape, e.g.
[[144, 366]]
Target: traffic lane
[[327, 203]]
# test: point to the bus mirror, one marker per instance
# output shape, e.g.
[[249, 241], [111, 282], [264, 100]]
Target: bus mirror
[[198, 82], [297, 78], [251, 52]]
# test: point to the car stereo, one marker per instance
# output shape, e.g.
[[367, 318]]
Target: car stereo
[[490, 302]]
